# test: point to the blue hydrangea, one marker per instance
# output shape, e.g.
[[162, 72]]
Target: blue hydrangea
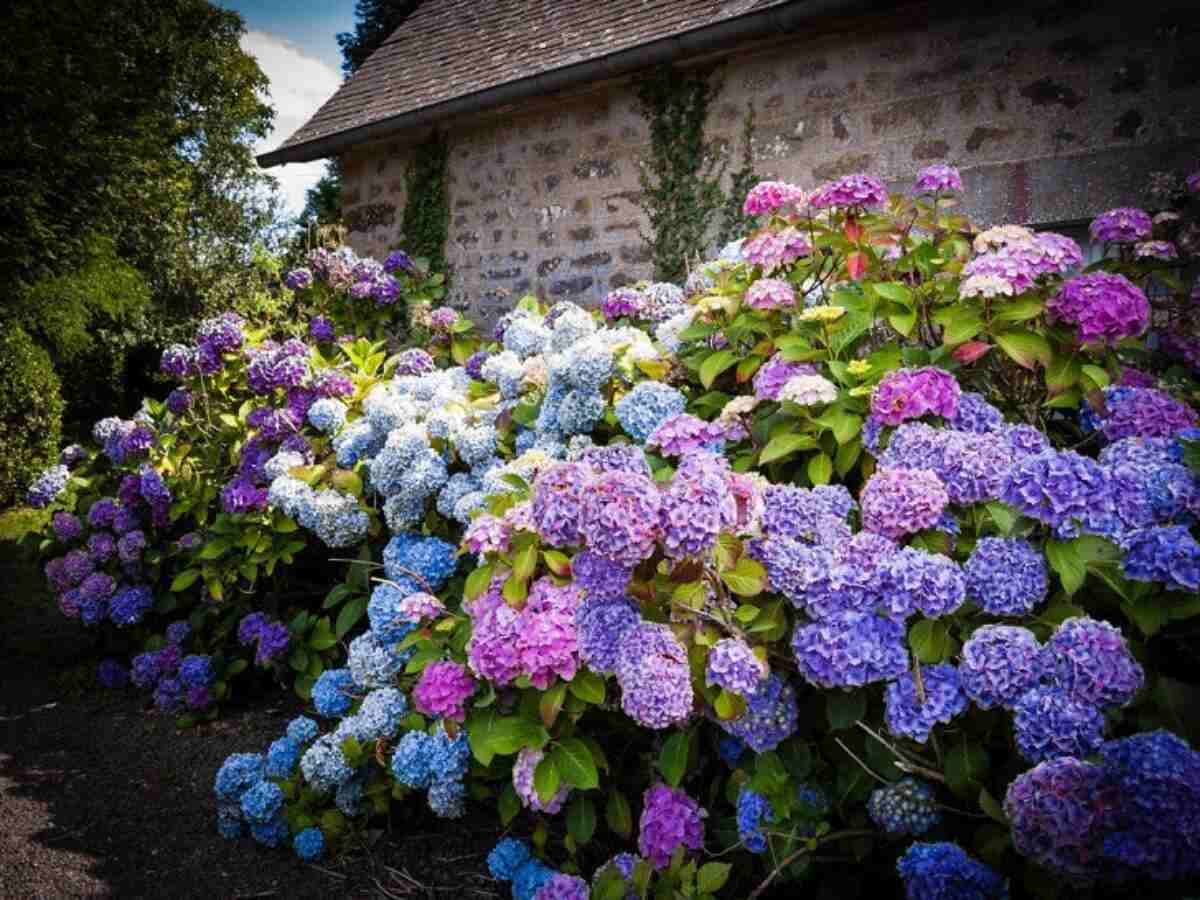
[[569, 324], [475, 443], [196, 671], [447, 799], [324, 766], [905, 807], [850, 650], [529, 878], [448, 758], [1090, 660], [1000, 663], [1049, 723], [383, 612], [412, 761], [309, 844], [357, 441], [754, 813], [1168, 554], [770, 717], [1055, 487], [291, 496], [801, 513], [730, 749], [333, 693], [589, 365], [526, 336], [230, 824], [913, 712], [302, 729], [351, 796], [48, 486], [262, 802], [373, 664], [403, 512], [974, 413], [600, 577], [327, 415], [380, 713], [417, 563], [579, 411], [270, 834], [239, 773], [129, 605], [647, 406], [282, 757], [386, 407], [335, 518], [506, 857], [1137, 451], [458, 486], [926, 583], [282, 463], [1006, 576], [944, 871], [505, 371]]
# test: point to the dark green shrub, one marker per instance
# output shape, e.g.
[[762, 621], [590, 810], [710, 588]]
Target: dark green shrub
[[31, 410]]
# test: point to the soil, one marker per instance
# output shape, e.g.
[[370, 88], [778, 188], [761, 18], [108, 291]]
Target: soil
[[101, 797]]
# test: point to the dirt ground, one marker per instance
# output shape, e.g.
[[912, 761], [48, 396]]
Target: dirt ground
[[101, 798]]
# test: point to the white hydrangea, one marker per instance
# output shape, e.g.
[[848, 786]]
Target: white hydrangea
[[809, 390]]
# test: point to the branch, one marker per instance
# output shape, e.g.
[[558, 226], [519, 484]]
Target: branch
[[792, 857]]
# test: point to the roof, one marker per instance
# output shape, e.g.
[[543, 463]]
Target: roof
[[452, 49]]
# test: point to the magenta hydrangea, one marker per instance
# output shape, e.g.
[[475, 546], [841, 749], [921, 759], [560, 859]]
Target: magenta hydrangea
[[733, 665], [623, 302], [771, 196], [912, 393], [770, 248], [938, 179], [522, 778], [1124, 225], [538, 641], [770, 293], [1104, 307], [897, 502], [652, 670], [856, 191], [1091, 662], [620, 518], [670, 819], [443, 689]]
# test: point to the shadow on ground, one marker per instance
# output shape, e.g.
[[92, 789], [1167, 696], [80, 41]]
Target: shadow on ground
[[101, 798]]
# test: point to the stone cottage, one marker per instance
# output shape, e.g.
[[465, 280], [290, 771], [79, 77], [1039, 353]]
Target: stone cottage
[[1052, 110]]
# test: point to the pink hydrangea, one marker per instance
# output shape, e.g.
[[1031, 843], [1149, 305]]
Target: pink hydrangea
[[1105, 307], [420, 606], [670, 819], [912, 393], [938, 179], [772, 196], [1124, 225], [443, 689], [850, 191], [771, 249], [896, 502], [519, 516], [1059, 251], [538, 641], [522, 778], [1013, 265], [442, 318], [620, 519], [770, 293], [656, 681], [487, 534]]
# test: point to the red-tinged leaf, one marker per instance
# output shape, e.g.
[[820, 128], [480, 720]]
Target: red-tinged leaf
[[852, 230], [970, 351], [856, 265]]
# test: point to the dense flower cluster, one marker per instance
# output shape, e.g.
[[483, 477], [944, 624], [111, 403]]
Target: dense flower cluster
[[1104, 307], [944, 871], [670, 819], [905, 807]]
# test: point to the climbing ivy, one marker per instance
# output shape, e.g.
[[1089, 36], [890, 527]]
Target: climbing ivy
[[680, 175], [426, 222], [734, 222]]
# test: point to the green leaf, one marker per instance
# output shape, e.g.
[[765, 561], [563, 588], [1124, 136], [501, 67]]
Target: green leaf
[[1066, 559], [785, 445], [729, 706], [1062, 373], [845, 426], [1025, 348], [1098, 375], [551, 704], [515, 590], [350, 615], [930, 640], [557, 562], [610, 884], [588, 687], [581, 818], [965, 764], [184, 580], [894, 291], [525, 562], [715, 364], [215, 549], [903, 322], [478, 581], [959, 323], [508, 805], [673, 759], [844, 708], [820, 468], [690, 594], [1020, 309], [546, 779], [990, 806], [576, 764], [1003, 515], [746, 579], [618, 815], [712, 877]]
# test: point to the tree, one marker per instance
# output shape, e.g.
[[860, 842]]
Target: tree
[[377, 19]]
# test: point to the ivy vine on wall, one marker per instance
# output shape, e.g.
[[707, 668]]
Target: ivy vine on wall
[[735, 222], [681, 174], [426, 224]]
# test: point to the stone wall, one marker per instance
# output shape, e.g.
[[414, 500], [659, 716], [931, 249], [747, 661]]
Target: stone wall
[[1052, 114]]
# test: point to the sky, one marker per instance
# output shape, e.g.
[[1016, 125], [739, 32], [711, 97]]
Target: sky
[[295, 44]]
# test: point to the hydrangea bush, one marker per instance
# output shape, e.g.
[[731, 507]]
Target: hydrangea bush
[[881, 528]]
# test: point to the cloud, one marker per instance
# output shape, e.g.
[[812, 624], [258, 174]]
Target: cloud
[[299, 85]]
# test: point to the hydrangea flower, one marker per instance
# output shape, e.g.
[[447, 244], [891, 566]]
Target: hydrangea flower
[[770, 717], [522, 779], [620, 518], [443, 689], [938, 179], [733, 666], [1142, 412], [770, 293], [418, 563], [652, 670], [559, 496], [1124, 225], [768, 197], [563, 887], [48, 486], [912, 393], [905, 807], [808, 390], [913, 711], [850, 649], [944, 871], [1104, 307], [1091, 662], [1048, 722], [332, 693], [324, 766], [856, 191], [1000, 664], [775, 373], [670, 819], [897, 502], [1006, 576], [1057, 811], [238, 773], [917, 582], [506, 857], [601, 624], [773, 248], [753, 814], [1054, 487], [309, 844], [1167, 554]]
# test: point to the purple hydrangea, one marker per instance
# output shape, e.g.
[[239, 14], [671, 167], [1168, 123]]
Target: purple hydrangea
[[601, 624], [912, 393], [1006, 576], [670, 819], [600, 577], [775, 373], [624, 302], [652, 670], [1124, 225], [46, 488], [800, 513], [850, 650], [221, 334], [112, 675], [179, 401], [917, 582], [938, 179], [913, 710], [733, 666], [975, 414], [1143, 412], [298, 279], [684, 434], [620, 517], [1168, 554], [1091, 662], [474, 364], [414, 361], [973, 466], [1048, 723], [856, 191], [273, 366], [130, 604], [443, 689], [1000, 664], [1104, 307], [896, 502], [559, 495], [1055, 487], [770, 717], [67, 527], [695, 506]]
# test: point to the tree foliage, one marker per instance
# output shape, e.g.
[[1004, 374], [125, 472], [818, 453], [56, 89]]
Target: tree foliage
[[376, 20]]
